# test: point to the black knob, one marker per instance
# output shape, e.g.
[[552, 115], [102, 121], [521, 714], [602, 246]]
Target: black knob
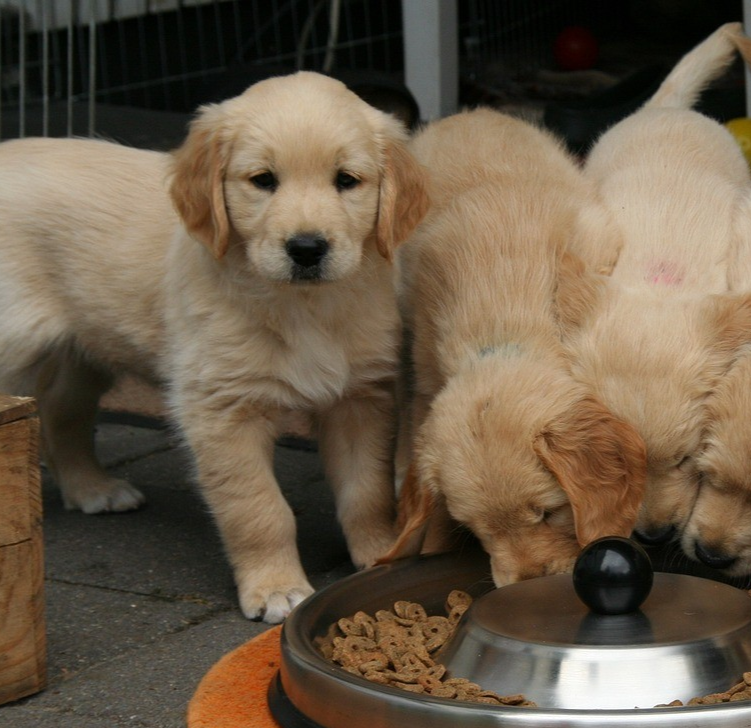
[[613, 575]]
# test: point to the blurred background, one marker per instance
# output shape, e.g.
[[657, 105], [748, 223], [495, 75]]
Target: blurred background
[[65, 63]]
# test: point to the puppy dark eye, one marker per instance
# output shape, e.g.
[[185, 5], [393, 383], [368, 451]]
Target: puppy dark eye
[[265, 181], [541, 514], [346, 181]]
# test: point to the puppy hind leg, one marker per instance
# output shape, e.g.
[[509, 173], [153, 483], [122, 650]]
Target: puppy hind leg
[[68, 392]]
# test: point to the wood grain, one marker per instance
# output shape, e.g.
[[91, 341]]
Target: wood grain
[[22, 628]]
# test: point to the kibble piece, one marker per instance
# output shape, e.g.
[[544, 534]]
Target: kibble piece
[[394, 648], [436, 630], [410, 611]]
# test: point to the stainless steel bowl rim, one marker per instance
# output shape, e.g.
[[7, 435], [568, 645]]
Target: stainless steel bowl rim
[[305, 674], [395, 694]]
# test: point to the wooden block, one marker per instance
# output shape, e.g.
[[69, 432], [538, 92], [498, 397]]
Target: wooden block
[[22, 631]]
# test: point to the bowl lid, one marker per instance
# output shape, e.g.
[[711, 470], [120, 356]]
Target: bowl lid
[[679, 610], [689, 636]]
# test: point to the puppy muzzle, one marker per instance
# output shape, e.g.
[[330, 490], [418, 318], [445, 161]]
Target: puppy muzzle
[[655, 536], [308, 255], [714, 557]]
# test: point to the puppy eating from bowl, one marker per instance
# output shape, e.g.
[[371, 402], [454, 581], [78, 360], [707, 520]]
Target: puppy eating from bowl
[[718, 533], [718, 530], [506, 442], [666, 327], [249, 274]]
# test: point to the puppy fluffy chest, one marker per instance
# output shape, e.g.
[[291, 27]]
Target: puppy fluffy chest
[[316, 355]]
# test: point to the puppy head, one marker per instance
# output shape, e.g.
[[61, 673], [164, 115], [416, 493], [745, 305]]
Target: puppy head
[[301, 175], [534, 467], [653, 362], [718, 531]]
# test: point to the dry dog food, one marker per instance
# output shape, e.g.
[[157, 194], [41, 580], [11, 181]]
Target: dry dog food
[[740, 691], [396, 647]]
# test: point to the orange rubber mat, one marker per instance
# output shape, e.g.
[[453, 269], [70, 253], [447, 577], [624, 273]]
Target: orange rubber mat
[[232, 694]]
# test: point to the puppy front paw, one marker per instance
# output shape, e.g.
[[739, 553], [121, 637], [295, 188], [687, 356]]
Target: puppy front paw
[[112, 495], [272, 602]]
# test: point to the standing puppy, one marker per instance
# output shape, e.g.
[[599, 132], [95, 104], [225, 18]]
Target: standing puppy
[[270, 291], [507, 443], [665, 329]]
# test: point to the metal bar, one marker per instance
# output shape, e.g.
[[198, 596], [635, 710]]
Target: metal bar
[[45, 72], [2, 30], [220, 35], [431, 55], [69, 72], [201, 30], [350, 34], [163, 59], [144, 67], [92, 68], [22, 71], [747, 28], [125, 72], [182, 51], [238, 28]]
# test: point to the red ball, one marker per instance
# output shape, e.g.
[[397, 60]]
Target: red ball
[[575, 49]]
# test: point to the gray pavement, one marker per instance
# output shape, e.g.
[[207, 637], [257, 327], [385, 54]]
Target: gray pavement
[[140, 605]]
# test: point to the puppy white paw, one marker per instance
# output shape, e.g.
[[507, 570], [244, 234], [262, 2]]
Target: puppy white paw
[[109, 496], [274, 604]]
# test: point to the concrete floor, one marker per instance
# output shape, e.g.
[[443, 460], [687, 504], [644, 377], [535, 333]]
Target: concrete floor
[[140, 605]]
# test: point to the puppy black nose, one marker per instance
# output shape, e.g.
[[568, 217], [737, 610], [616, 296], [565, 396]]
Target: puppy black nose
[[715, 558], [655, 536], [307, 250]]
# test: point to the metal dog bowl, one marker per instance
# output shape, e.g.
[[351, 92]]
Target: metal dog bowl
[[582, 664]]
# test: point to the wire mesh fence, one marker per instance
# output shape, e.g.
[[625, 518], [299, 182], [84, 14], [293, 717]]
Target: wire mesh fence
[[174, 54], [62, 60]]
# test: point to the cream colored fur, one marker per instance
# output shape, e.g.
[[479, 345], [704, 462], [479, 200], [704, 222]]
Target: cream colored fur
[[718, 531], [506, 442], [98, 275], [667, 328]]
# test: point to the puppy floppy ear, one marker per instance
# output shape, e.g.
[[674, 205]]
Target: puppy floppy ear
[[601, 463], [403, 199], [416, 504], [197, 187]]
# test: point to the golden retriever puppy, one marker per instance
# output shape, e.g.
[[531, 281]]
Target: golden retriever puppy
[[268, 291], [507, 443], [718, 531], [666, 329]]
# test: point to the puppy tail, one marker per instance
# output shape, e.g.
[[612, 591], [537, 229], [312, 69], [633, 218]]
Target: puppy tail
[[700, 66]]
